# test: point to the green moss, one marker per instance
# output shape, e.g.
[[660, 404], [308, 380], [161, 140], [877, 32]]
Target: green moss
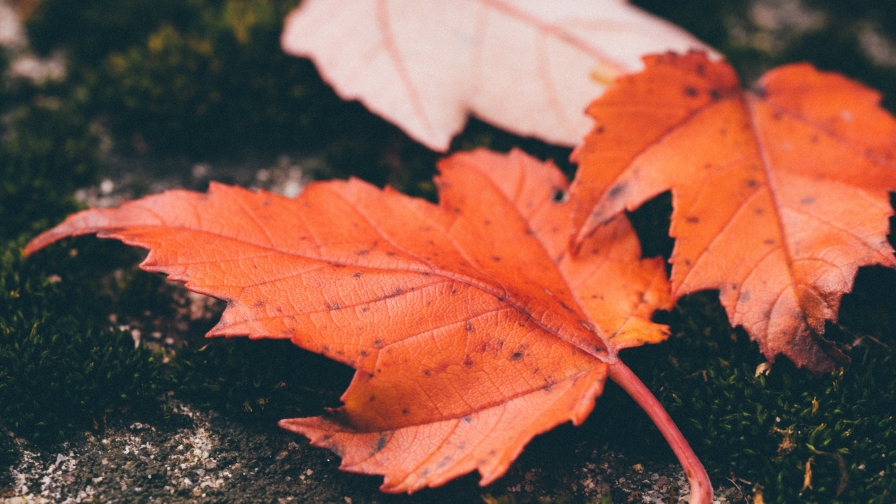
[[194, 77], [765, 429], [47, 150], [63, 370], [264, 380]]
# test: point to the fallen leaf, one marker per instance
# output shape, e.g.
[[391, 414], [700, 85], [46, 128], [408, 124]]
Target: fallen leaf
[[779, 194], [471, 328], [807, 476], [529, 67]]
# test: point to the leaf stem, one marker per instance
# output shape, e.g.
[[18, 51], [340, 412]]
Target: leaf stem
[[701, 488]]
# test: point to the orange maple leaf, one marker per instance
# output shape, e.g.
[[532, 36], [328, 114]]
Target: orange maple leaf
[[779, 194], [470, 326]]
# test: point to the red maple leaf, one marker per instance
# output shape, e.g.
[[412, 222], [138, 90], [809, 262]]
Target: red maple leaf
[[779, 194], [470, 326]]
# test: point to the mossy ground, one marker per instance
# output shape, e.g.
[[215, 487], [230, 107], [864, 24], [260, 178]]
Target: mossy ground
[[206, 81]]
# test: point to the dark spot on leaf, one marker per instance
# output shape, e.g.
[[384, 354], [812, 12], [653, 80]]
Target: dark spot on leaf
[[559, 196], [378, 343], [404, 411], [752, 183], [427, 372], [599, 130], [259, 303], [468, 362], [744, 296], [332, 306], [692, 219], [362, 253], [396, 291], [769, 241], [616, 191], [380, 444], [357, 275], [808, 200], [759, 211], [496, 258], [690, 91], [469, 327], [467, 419], [715, 94], [365, 309], [565, 307], [687, 262], [515, 356], [363, 353]]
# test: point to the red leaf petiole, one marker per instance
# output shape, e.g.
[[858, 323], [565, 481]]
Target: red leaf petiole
[[701, 488]]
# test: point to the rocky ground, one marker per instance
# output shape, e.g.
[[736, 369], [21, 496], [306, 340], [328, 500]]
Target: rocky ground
[[211, 458]]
